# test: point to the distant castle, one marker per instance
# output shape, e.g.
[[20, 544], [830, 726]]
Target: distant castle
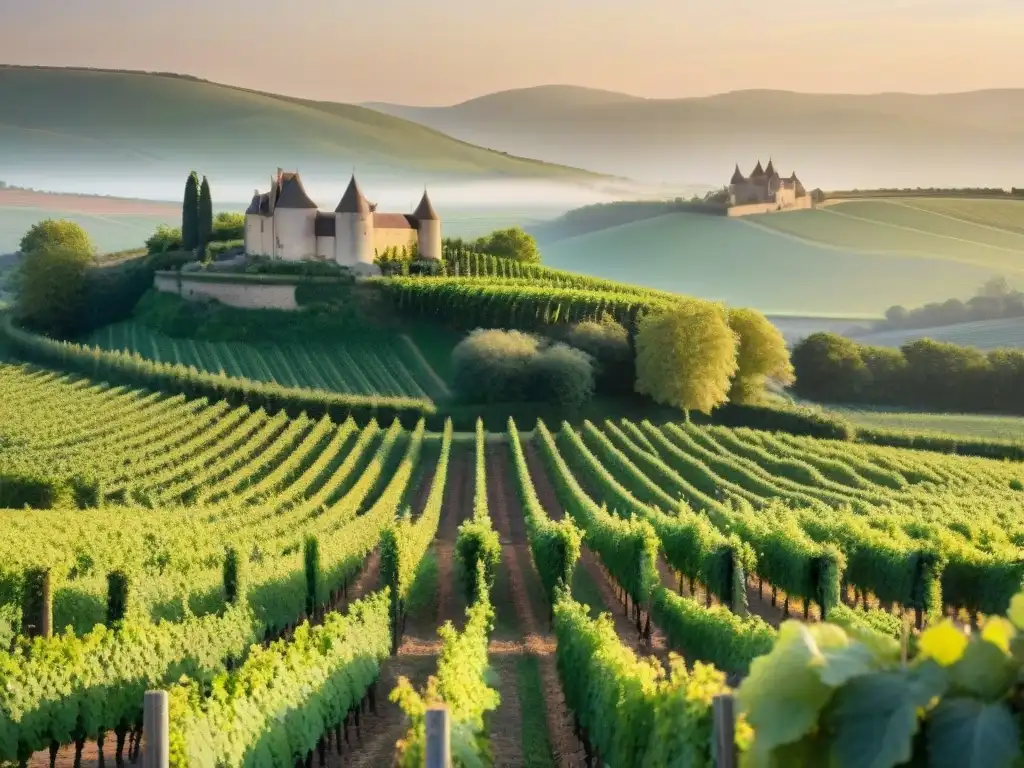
[[285, 223], [766, 189]]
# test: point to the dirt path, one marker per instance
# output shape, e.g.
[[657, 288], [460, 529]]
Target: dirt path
[[591, 565], [530, 615], [416, 659]]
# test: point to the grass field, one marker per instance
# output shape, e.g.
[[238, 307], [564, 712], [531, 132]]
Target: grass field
[[108, 232], [309, 508], [389, 366], [749, 264], [987, 233], [959, 424], [983, 334]]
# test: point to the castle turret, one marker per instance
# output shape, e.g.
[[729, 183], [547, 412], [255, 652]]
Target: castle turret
[[429, 229], [294, 220], [769, 171], [758, 171], [353, 230], [737, 176]]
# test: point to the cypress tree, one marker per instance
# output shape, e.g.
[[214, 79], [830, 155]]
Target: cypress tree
[[190, 213], [205, 213]]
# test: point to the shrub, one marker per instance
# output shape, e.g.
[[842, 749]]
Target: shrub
[[57, 232], [53, 286], [491, 366], [607, 342], [164, 239]]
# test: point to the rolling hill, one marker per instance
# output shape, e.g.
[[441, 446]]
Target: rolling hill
[[853, 258], [983, 334], [831, 140], [59, 124]]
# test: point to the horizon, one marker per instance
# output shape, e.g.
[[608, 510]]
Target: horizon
[[914, 47]]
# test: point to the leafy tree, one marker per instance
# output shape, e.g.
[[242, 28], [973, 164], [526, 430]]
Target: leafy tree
[[205, 213], [686, 356], [52, 287], [761, 355], [511, 243], [190, 214], [228, 225], [56, 232], [829, 367]]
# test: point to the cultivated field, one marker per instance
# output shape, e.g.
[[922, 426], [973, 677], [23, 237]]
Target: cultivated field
[[388, 367], [957, 424], [192, 504]]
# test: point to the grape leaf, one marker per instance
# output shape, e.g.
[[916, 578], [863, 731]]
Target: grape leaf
[[984, 670], [942, 642], [874, 719], [966, 733], [783, 693]]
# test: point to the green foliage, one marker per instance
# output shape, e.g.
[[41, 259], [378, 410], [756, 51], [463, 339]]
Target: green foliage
[[686, 356], [228, 225], [823, 690], [555, 546], [57, 233], [87, 685], [133, 370], [608, 343], [513, 244], [164, 239], [215, 249], [714, 635], [190, 213], [520, 304], [761, 355], [462, 683], [478, 546], [628, 548], [629, 710], [205, 207], [404, 544], [52, 287], [323, 673], [509, 366]]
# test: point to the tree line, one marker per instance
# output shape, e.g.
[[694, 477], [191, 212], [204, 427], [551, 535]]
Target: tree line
[[994, 300], [922, 374]]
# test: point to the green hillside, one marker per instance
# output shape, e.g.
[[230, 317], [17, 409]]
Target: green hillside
[[72, 121], [756, 262], [987, 233]]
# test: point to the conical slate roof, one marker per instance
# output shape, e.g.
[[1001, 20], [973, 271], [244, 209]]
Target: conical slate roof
[[425, 211], [353, 201], [292, 194], [737, 176], [770, 170], [758, 170]]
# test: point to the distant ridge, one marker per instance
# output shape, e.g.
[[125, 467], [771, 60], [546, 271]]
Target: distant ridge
[[972, 138], [62, 121]]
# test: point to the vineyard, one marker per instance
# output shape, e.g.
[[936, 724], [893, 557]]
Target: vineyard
[[389, 368], [304, 588]]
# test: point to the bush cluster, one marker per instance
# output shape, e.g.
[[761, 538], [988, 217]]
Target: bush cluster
[[921, 374], [607, 342], [509, 366]]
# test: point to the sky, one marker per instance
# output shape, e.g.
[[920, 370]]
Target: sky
[[438, 52]]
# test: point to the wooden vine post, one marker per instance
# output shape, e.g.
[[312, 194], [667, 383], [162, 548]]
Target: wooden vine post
[[156, 729], [724, 730], [439, 737]]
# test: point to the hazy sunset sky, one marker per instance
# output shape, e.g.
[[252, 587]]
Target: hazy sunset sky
[[445, 51]]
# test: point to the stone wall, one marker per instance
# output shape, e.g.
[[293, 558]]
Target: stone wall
[[242, 295], [800, 204]]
